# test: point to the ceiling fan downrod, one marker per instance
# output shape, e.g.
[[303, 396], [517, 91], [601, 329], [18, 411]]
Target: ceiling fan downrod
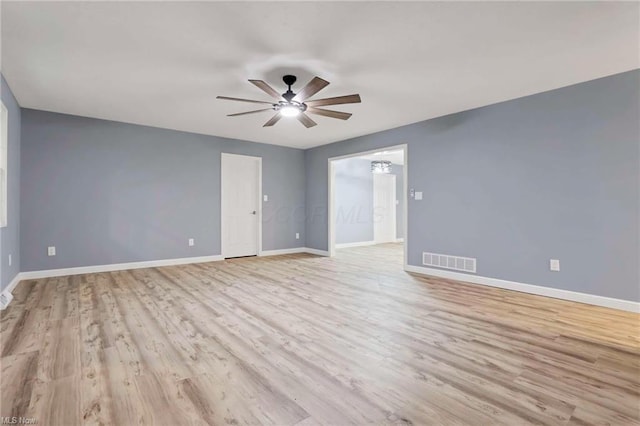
[[289, 80]]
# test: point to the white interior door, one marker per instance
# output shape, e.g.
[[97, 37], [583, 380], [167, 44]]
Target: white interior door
[[384, 208], [240, 196]]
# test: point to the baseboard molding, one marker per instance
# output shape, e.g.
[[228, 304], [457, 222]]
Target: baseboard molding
[[356, 244], [6, 293], [49, 273], [591, 299], [283, 251], [14, 282], [316, 251]]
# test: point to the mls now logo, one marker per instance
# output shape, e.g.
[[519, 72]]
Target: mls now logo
[[15, 420]]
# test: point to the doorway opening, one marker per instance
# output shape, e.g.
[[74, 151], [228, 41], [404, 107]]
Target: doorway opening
[[368, 201]]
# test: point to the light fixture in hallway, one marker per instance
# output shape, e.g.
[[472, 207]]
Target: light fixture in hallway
[[381, 167]]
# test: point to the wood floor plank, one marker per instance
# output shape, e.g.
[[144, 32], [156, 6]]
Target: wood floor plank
[[17, 374], [307, 340], [56, 402]]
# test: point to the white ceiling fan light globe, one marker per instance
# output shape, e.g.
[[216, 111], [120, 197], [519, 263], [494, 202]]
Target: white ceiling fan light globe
[[289, 111]]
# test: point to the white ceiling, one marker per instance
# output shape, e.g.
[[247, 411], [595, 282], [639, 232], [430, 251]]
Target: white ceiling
[[162, 63]]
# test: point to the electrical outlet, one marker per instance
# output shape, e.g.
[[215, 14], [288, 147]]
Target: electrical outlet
[[297, 235], [51, 251], [265, 198], [418, 195], [10, 260], [554, 265], [192, 242]]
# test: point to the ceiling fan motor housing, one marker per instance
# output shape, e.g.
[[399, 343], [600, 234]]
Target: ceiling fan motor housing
[[289, 80]]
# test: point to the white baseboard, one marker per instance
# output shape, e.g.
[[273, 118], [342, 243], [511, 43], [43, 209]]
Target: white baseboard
[[48, 273], [6, 294], [14, 282], [356, 244], [316, 251], [283, 251], [591, 299], [294, 251]]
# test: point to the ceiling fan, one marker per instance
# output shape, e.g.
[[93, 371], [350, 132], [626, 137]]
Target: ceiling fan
[[290, 104]]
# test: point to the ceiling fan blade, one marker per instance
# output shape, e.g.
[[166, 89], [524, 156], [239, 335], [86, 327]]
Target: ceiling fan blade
[[243, 100], [304, 119], [249, 112], [267, 89], [312, 87], [273, 120], [329, 113], [349, 99]]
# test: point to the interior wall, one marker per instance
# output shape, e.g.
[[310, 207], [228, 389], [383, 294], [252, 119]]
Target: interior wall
[[554, 175], [10, 235], [353, 208], [105, 192]]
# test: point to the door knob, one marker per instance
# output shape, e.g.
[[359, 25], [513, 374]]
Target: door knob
[[253, 212]]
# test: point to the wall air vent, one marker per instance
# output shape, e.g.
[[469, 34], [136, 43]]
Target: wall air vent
[[457, 263]]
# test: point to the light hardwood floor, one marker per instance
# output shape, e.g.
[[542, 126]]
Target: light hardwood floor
[[306, 340]]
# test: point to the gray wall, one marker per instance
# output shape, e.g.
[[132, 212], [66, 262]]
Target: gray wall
[[353, 192], [399, 172], [10, 235], [552, 175], [106, 192]]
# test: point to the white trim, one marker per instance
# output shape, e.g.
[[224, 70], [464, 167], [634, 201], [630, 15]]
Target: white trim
[[369, 152], [14, 282], [283, 251], [258, 205], [4, 165], [316, 251], [12, 285], [294, 251], [399, 240], [591, 299], [48, 273], [331, 221], [356, 244], [331, 243]]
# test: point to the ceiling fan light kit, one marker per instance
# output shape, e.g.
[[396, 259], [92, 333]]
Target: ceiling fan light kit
[[291, 109], [291, 104]]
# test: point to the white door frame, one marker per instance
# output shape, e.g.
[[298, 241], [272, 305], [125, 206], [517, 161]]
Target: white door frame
[[331, 238], [258, 201]]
